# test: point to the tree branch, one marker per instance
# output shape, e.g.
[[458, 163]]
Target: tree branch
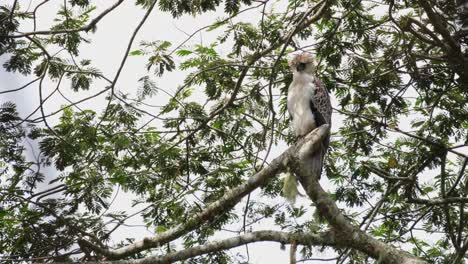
[[438, 26], [228, 201], [321, 239], [439, 201], [460, 176], [454, 54], [86, 28], [350, 235], [461, 253]]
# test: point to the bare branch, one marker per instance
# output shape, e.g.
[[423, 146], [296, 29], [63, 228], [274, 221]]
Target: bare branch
[[321, 239], [20, 88], [124, 59], [86, 28], [460, 176]]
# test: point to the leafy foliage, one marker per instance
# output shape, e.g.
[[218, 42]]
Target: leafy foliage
[[395, 165]]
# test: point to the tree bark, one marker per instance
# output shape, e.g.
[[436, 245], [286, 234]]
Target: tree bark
[[347, 233]]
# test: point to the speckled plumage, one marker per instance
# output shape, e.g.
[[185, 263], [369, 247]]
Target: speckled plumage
[[308, 103]]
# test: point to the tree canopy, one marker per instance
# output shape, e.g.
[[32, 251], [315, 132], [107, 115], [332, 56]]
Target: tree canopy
[[207, 161]]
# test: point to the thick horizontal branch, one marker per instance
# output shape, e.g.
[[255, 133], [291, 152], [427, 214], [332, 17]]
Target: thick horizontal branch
[[306, 239], [321, 239], [225, 203]]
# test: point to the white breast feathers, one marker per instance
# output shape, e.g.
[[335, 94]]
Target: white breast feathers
[[299, 98]]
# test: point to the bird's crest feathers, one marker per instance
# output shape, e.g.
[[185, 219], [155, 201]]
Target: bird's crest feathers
[[295, 58]]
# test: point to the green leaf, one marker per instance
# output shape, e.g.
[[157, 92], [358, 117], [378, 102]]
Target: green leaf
[[161, 229], [136, 53], [183, 52], [392, 162]]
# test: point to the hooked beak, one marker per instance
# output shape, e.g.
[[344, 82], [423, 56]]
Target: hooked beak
[[300, 67]]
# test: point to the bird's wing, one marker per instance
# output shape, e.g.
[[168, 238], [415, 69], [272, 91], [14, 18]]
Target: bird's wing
[[318, 116], [321, 106], [321, 101]]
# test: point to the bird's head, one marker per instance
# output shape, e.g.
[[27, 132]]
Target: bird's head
[[302, 62]]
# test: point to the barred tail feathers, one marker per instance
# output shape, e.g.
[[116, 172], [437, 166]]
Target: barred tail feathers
[[315, 163]]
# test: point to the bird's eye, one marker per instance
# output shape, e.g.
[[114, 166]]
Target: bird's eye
[[301, 66]]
